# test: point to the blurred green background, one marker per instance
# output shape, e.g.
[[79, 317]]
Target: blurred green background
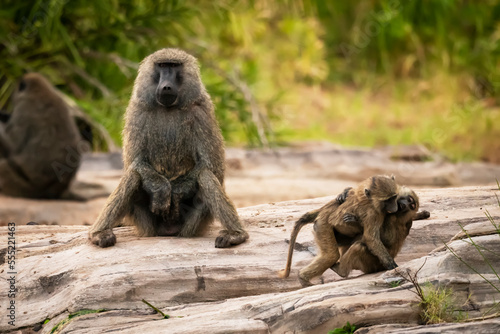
[[357, 73]]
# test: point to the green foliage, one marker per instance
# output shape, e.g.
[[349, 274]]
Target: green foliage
[[438, 305], [404, 72], [347, 329], [404, 38], [91, 50]]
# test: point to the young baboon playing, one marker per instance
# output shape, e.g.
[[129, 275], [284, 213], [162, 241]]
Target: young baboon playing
[[396, 227], [394, 230], [38, 143], [370, 201], [173, 158]]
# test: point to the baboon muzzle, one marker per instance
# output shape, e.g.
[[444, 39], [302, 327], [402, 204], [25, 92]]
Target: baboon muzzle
[[168, 86], [166, 93]]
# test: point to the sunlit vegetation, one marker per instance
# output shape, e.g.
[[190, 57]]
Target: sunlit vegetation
[[357, 72]]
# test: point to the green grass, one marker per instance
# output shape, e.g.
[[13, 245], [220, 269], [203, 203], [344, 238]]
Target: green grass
[[60, 326], [438, 113], [438, 305]]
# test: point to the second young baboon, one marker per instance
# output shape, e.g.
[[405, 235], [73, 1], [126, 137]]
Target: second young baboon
[[173, 151], [38, 143], [395, 229], [370, 201]]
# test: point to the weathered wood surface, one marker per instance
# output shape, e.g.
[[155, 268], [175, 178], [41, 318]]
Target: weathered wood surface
[[236, 290], [255, 177]]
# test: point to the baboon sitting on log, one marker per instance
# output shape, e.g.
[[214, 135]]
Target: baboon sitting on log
[[173, 158]]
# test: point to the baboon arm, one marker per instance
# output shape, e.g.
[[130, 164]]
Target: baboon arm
[[152, 180], [5, 145], [341, 198], [371, 237]]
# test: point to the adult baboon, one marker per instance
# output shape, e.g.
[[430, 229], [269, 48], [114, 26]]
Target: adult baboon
[[173, 158], [38, 143], [370, 202], [396, 227]]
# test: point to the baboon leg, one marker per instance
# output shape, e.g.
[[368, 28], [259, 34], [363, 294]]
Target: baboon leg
[[328, 253], [357, 257], [196, 217], [221, 207], [12, 181], [144, 220], [117, 206]]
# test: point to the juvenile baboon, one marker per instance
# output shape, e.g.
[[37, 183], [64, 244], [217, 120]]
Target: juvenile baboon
[[356, 255], [370, 201], [173, 158], [38, 142]]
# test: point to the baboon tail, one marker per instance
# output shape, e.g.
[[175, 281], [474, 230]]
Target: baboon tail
[[307, 218]]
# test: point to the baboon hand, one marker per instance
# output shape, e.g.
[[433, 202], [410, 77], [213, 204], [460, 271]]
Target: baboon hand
[[350, 219], [228, 239], [343, 196], [104, 238], [160, 195]]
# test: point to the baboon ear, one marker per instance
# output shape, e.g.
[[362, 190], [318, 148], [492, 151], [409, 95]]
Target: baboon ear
[[393, 177], [368, 193]]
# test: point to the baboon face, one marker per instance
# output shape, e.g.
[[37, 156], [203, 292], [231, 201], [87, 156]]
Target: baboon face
[[169, 82], [168, 79], [391, 204], [29, 84], [407, 200], [383, 189]]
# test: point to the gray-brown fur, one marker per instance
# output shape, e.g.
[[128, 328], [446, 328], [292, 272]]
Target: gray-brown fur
[[173, 158], [39, 143], [395, 229], [369, 201]]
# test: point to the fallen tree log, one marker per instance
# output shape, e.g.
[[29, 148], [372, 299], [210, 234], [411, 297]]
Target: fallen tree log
[[236, 290]]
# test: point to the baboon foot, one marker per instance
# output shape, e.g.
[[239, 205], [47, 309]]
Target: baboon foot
[[336, 269], [228, 239], [424, 214], [104, 238], [391, 265], [305, 283]]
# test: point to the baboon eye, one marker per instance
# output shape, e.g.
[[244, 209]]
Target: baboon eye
[[22, 85], [410, 199], [168, 64]]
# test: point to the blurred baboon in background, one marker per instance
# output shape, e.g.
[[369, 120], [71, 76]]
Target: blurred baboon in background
[[38, 143], [173, 158]]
